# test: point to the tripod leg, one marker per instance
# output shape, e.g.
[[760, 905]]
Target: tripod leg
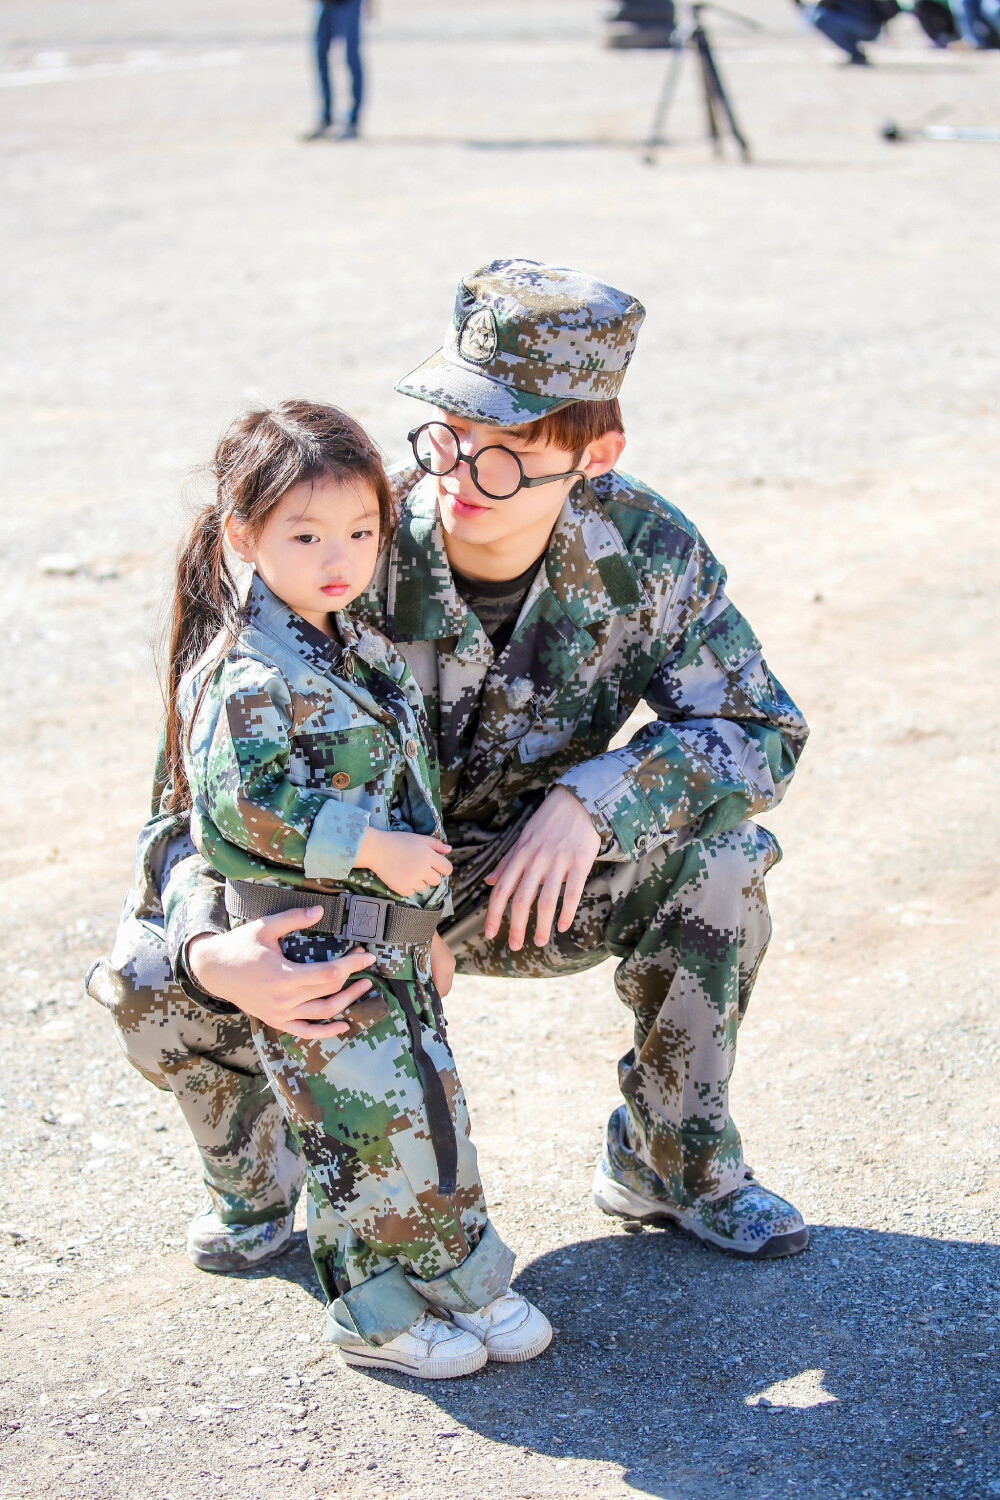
[[708, 89], [713, 82], [655, 137]]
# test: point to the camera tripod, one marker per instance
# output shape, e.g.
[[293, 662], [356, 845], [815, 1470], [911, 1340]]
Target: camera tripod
[[691, 36]]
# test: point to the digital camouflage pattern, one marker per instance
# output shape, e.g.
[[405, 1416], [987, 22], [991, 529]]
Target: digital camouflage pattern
[[689, 929], [750, 1220], [526, 338], [358, 1108], [629, 608], [295, 743], [252, 1166]]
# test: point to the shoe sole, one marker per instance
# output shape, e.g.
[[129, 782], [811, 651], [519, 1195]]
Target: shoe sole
[[372, 1358], [530, 1351], [620, 1202], [225, 1262]]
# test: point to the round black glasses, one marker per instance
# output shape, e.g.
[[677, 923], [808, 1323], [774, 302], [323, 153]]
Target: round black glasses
[[496, 471]]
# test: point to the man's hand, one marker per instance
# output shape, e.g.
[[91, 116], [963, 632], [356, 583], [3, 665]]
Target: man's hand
[[442, 965], [557, 847], [247, 967]]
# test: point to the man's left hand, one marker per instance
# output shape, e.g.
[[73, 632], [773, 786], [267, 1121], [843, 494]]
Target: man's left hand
[[557, 848]]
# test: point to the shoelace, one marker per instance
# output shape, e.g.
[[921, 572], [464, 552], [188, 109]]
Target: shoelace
[[426, 1327]]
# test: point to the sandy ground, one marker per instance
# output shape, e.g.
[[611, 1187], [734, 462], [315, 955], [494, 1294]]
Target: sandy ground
[[817, 386]]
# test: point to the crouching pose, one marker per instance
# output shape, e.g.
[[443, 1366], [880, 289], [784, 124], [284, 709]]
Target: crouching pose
[[539, 595], [300, 745]]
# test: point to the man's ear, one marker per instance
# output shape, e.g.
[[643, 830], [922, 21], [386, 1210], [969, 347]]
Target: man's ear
[[239, 538], [602, 454]]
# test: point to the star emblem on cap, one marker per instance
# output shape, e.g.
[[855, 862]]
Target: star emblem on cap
[[478, 341]]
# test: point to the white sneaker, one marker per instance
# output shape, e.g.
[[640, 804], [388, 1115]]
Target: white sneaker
[[430, 1349], [214, 1246], [510, 1327]]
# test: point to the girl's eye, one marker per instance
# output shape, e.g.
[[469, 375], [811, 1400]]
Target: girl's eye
[[357, 536], [306, 537]]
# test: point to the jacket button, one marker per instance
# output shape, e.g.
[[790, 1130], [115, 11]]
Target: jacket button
[[642, 840], [410, 749], [340, 779]]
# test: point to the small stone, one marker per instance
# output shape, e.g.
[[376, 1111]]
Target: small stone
[[633, 1226]]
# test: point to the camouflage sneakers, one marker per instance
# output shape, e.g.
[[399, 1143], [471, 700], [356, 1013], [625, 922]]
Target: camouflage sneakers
[[214, 1246], [525, 339], [750, 1221], [432, 1348], [511, 1328]]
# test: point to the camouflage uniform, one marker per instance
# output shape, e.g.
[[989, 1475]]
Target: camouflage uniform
[[293, 745], [629, 608]]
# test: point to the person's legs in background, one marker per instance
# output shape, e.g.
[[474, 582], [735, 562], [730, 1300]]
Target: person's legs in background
[[350, 20], [977, 20], [846, 28], [325, 33]]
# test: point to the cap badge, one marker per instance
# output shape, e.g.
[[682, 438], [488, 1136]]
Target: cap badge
[[478, 340]]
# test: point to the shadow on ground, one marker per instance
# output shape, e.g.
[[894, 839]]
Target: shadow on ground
[[866, 1367]]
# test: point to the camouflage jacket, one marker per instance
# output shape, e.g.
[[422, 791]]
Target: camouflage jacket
[[295, 743], [630, 608]]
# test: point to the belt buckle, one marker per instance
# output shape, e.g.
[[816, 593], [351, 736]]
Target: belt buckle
[[366, 919]]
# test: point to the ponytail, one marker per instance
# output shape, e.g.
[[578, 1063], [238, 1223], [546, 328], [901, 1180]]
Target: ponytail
[[206, 601], [260, 456]]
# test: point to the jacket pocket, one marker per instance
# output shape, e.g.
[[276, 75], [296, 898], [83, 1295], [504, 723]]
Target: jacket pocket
[[730, 640], [340, 759]]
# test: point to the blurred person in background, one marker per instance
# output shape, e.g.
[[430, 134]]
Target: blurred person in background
[[848, 23], [978, 22], [338, 18]]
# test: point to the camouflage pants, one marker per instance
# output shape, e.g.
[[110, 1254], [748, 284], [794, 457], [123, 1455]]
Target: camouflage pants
[[689, 930], [388, 1233]]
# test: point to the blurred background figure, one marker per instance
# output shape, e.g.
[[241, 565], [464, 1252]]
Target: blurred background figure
[[639, 23], [848, 23], [978, 22], [338, 18]]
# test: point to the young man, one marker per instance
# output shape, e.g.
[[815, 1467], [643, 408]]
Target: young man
[[539, 597]]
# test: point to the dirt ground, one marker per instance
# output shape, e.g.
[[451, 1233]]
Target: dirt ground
[[816, 385]]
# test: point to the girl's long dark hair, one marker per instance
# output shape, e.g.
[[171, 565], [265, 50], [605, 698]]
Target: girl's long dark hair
[[260, 456]]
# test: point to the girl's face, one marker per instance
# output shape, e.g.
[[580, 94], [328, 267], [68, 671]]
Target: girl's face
[[317, 548]]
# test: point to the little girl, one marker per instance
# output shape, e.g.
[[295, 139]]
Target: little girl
[[302, 746]]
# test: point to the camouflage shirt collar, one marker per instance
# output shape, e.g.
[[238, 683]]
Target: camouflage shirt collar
[[269, 614], [587, 564]]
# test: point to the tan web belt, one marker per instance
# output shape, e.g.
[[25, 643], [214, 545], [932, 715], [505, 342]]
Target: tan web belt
[[357, 919]]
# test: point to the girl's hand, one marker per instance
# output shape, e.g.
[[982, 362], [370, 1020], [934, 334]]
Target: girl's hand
[[247, 967], [405, 862], [442, 965]]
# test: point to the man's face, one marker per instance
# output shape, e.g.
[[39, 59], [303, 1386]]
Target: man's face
[[472, 517]]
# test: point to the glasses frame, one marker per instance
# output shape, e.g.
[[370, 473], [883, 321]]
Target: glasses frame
[[525, 482]]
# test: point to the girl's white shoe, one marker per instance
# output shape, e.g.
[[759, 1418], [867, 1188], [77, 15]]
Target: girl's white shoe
[[430, 1349], [510, 1327]]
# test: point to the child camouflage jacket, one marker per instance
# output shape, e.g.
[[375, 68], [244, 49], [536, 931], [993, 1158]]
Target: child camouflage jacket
[[295, 743]]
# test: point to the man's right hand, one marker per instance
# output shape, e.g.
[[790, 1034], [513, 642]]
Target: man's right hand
[[247, 967]]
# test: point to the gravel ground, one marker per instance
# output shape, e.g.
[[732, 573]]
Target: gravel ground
[[817, 386]]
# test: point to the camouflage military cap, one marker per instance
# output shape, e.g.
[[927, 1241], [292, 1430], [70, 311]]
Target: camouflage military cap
[[525, 339]]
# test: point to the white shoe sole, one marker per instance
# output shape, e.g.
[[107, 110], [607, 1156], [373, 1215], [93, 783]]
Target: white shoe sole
[[614, 1197], [372, 1357], [516, 1357]]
